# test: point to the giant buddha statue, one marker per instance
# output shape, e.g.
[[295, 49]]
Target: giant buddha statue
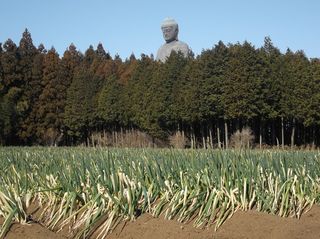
[[170, 30]]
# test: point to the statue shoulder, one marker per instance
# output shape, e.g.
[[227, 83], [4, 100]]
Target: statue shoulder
[[163, 46], [162, 52], [183, 45], [162, 49]]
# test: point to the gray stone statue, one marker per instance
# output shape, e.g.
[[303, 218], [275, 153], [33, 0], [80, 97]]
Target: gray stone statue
[[170, 30]]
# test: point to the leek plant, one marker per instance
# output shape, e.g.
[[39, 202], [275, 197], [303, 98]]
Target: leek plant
[[91, 190]]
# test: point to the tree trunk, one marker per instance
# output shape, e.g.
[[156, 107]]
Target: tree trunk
[[88, 142], [260, 134], [218, 135], [226, 133], [282, 133], [191, 138], [203, 137], [313, 137], [273, 134], [210, 137], [92, 140], [293, 132], [237, 125]]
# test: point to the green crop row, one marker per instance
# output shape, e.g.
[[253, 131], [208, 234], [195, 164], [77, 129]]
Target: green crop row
[[90, 190]]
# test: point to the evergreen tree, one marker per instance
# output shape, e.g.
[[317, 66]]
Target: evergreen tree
[[211, 70], [102, 53], [166, 86], [28, 126], [138, 94], [312, 102], [9, 61], [291, 88], [242, 83], [271, 90], [10, 91], [109, 103], [1, 72], [68, 65], [47, 108], [78, 107], [27, 53], [8, 116], [45, 99], [81, 113]]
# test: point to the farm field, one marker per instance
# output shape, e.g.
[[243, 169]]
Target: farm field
[[130, 193]]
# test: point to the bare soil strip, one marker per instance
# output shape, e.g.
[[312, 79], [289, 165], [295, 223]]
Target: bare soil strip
[[243, 225]]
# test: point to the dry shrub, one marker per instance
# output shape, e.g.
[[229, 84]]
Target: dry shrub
[[125, 138], [51, 137], [308, 147], [242, 139], [178, 140]]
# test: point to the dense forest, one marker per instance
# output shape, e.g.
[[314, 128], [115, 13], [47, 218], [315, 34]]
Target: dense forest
[[87, 98]]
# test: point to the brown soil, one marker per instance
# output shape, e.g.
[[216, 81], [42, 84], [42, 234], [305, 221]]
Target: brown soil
[[243, 225], [32, 231]]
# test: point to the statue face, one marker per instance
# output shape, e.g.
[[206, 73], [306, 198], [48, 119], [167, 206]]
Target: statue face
[[170, 33]]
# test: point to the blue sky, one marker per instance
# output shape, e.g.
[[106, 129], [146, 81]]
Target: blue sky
[[125, 26]]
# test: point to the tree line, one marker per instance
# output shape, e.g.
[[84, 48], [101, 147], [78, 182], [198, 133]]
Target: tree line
[[46, 99]]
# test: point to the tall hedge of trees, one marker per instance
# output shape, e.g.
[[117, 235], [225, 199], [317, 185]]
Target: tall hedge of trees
[[46, 99]]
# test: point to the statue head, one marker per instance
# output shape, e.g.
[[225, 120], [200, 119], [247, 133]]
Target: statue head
[[170, 30]]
